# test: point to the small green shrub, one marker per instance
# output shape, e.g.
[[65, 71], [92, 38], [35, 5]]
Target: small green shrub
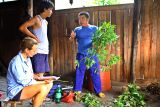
[[130, 98]]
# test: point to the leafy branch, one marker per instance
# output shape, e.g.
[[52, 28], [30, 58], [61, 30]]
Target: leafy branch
[[130, 98], [90, 100]]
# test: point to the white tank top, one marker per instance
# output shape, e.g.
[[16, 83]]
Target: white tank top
[[41, 33]]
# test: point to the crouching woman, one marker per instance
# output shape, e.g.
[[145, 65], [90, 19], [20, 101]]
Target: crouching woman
[[21, 84]]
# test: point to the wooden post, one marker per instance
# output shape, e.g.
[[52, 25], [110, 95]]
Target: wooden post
[[30, 7], [136, 19]]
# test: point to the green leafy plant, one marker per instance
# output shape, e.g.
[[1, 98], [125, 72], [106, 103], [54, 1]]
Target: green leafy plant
[[90, 100], [130, 98], [104, 37]]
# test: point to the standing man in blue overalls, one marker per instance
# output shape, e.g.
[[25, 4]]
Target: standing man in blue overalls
[[83, 34]]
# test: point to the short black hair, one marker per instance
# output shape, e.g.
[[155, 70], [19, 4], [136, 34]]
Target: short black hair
[[44, 4], [86, 14]]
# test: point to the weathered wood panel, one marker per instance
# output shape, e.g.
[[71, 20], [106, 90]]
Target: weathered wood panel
[[147, 45], [66, 20], [157, 7]]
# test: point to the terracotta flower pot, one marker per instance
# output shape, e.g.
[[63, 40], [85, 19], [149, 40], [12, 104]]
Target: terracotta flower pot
[[105, 81]]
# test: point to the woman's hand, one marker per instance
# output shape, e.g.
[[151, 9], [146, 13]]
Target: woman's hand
[[48, 81]]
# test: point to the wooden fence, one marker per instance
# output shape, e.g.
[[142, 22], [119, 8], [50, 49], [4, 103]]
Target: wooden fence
[[62, 51], [146, 50]]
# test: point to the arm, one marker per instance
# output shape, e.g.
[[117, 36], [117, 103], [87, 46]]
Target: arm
[[44, 82], [72, 36], [24, 27]]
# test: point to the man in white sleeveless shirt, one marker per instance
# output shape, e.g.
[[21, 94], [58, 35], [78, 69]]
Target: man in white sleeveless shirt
[[39, 25]]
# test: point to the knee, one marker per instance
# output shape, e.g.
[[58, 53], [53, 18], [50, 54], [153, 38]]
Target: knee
[[43, 88]]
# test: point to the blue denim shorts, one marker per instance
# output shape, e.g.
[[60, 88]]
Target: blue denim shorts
[[40, 63], [17, 96]]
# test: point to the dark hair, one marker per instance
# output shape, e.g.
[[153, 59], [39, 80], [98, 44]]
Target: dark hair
[[44, 4], [27, 43], [86, 14]]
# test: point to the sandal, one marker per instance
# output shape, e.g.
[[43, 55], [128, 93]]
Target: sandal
[[47, 99], [101, 95]]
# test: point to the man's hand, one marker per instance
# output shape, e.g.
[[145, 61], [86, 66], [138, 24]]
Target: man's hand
[[72, 36], [37, 39], [35, 76]]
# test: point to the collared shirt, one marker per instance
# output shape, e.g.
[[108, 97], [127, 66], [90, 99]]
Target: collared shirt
[[19, 75]]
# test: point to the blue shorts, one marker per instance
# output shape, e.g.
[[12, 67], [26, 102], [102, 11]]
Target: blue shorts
[[17, 96], [40, 63]]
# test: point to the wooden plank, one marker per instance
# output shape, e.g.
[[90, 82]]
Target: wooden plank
[[119, 44], [157, 42], [126, 44], [57, 59], [152, 58], [50, 38], [70, 52], [66, 39], [135, 55], [51, 44], [142, 47], [61, 43], [154, 40], [108, 16], [91, 19], [102, 17], [95, 18], [113, 69], [146, 37], [138, 74], [122, 73], [56, 49], [130, 35]]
